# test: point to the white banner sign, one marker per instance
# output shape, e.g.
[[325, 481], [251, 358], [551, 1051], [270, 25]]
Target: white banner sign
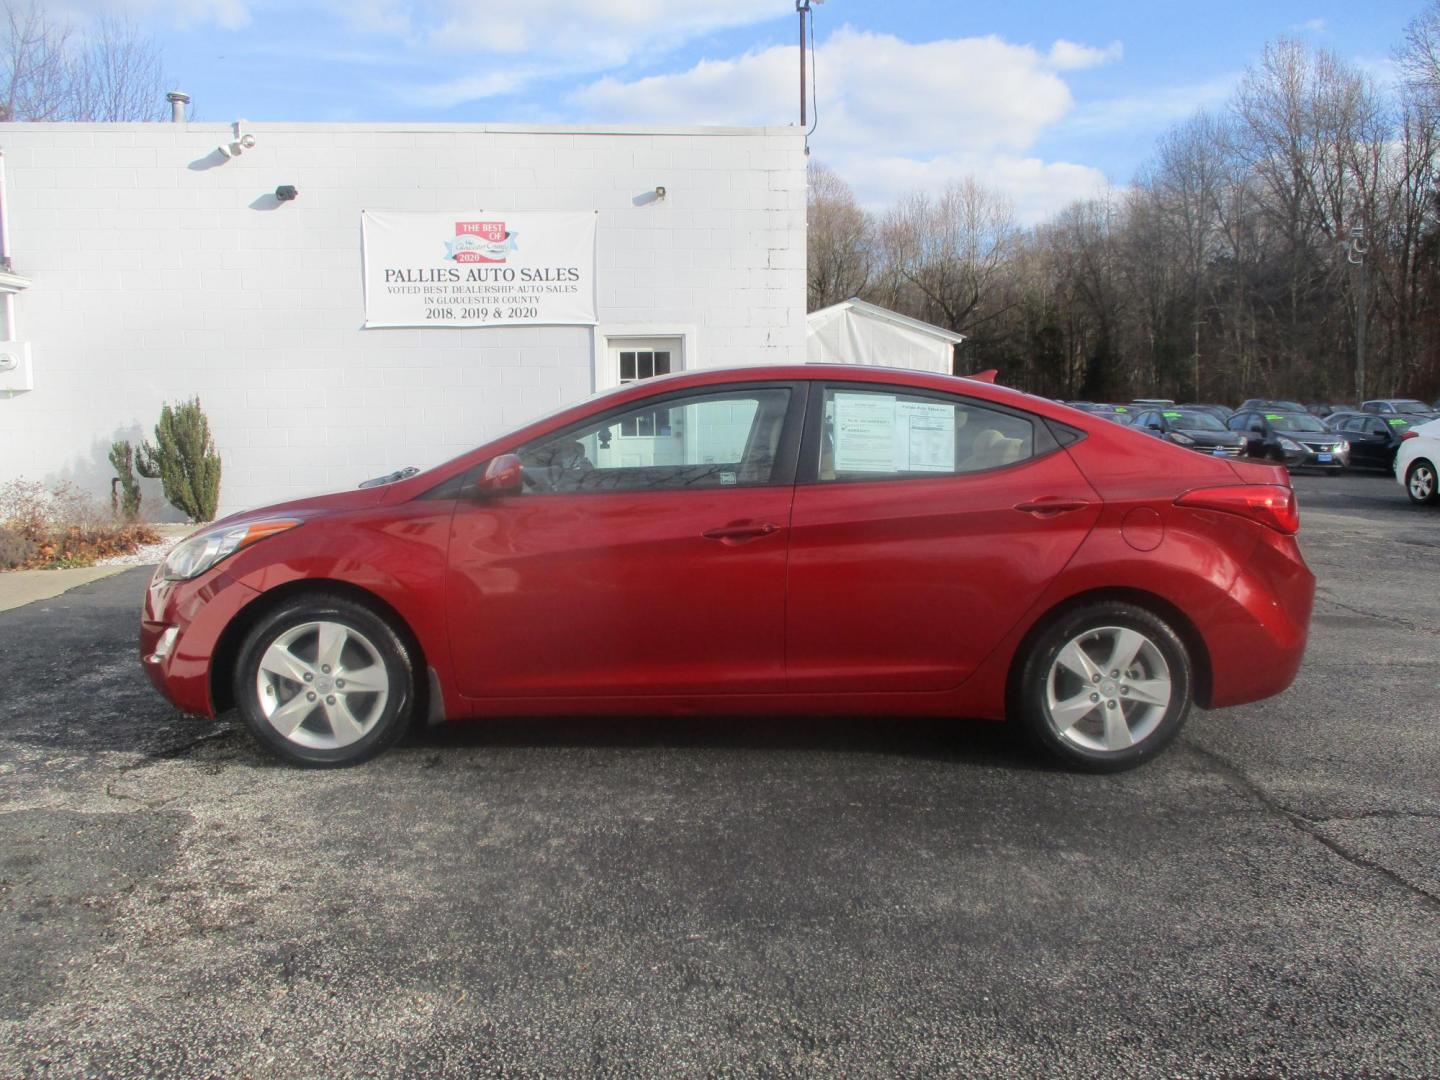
[[479, 268]]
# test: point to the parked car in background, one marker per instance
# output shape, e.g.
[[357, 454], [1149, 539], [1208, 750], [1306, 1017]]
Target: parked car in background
[[1327, 409], [1220, 412], [781, 540], [1373, 439], [1297, 439], [1153, 402], [1398, 406], [1417, 463], [1120, 414], [1193, 430], [1270, 405]]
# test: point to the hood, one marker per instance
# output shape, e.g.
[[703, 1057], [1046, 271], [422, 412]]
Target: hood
[[1310, 436], [314, 506], [1213, 438]]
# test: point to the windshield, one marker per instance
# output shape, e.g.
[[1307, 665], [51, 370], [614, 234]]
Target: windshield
[[1411, 407], [1295, 422], [1193, 421]]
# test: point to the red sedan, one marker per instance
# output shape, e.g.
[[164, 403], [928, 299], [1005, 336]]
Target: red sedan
[[777, 540]]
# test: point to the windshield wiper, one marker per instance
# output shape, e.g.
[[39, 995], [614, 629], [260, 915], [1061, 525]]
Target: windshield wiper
[[398, 474]]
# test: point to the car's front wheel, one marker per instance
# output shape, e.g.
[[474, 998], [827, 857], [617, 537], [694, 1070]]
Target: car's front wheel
[[1420, 482], [1105, 688], [324, 681]]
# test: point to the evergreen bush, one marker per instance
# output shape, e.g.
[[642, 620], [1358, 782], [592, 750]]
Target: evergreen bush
[[185, 460]]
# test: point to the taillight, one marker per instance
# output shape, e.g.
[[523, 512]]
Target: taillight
[[1269, 504], [1410, 435]]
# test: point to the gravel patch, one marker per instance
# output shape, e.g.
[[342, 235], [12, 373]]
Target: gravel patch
[[145, 555]]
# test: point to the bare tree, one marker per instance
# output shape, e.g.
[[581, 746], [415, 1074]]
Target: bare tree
[[952, 251], [1419, 56], [839, 240], [102, 70]]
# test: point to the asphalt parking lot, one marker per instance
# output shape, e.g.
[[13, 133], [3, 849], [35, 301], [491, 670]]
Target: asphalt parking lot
[[736, 898]]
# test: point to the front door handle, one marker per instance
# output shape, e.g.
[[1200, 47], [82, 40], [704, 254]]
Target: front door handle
[[1048, 508], [738, 532]]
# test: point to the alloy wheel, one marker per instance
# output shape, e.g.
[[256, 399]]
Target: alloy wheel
[[1108, 689], [1422, 482], [322, 685]]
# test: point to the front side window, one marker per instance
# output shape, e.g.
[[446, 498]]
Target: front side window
[[874, 435], [709, 439]]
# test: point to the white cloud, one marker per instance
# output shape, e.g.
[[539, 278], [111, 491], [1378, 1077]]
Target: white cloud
[[1069, 56], [893, 115], [1037, 189], [1153, 111], [229, 14]]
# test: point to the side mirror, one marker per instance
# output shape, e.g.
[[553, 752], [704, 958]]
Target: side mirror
[[503, 476]]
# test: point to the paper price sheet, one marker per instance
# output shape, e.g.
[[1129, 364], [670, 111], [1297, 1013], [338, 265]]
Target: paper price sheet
[[878, 433]]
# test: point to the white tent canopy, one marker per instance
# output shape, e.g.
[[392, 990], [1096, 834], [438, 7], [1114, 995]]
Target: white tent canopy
[[855, 332]]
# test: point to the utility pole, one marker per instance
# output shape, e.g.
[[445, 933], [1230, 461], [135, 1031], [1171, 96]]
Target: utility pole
[[803, 8], [1355, 256]]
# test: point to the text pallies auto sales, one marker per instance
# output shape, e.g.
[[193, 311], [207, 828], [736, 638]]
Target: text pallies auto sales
[[427, 275]]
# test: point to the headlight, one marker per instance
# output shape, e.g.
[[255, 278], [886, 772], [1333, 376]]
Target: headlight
[[1183, 440], [1341, 446], [194, 556], [1289, 444]]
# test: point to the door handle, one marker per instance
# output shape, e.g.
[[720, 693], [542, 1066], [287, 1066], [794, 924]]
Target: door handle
[[1048, 508], [740, 531]]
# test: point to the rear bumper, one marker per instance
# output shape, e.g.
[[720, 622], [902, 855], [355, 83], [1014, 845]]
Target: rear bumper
[[194, 615], [1256, 638]]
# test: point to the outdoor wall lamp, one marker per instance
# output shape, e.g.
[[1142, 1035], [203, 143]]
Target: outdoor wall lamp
[[287, 193]]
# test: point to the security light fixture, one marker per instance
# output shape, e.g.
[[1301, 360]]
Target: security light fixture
[[287, 193], [660, 192]]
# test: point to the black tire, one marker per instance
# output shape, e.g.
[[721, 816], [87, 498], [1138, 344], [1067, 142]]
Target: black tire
[[385, 720], [1414, 476], [1031, 693]]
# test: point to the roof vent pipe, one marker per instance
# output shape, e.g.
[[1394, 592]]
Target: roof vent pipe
[[178, 100]]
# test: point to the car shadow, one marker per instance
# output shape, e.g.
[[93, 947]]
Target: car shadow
[[958, 741]]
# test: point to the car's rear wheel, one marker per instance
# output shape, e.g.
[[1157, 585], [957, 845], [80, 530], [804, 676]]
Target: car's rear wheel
[[324, 681], [1420, 482], [1105, 688]]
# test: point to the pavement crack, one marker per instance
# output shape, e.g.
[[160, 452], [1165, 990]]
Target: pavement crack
[[1412, 627], [1311, 827]]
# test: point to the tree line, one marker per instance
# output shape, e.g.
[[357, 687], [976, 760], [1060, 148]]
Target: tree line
[[54, 67], [1286, 245]]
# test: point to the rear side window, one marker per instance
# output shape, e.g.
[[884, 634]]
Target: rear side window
[[880, 434]]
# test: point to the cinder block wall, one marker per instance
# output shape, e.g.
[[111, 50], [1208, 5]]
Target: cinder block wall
[[161, 270]]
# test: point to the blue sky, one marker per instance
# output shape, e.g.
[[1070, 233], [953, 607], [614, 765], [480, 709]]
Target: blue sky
[[1043, 99]]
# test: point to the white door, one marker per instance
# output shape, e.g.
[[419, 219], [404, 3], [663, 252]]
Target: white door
[[647, 438]]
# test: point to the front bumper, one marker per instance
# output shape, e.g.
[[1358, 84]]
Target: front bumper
[[1319, 456], [180, 629]]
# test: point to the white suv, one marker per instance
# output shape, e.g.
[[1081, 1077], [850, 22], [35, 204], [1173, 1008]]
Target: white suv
[[1417, 463]]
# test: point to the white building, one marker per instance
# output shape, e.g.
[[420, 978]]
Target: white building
[[150, 266]]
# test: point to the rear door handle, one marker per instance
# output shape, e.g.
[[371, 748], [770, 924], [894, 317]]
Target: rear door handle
[[1048, 508], [740, 531]]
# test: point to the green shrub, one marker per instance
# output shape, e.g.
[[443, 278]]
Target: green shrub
[[185, 461], [126, 502]]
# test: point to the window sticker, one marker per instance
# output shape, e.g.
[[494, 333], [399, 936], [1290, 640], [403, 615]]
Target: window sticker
[[926, 436], [1399, 421], [1171, 415], [864, 432], [877, 433], [1274, 416]]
